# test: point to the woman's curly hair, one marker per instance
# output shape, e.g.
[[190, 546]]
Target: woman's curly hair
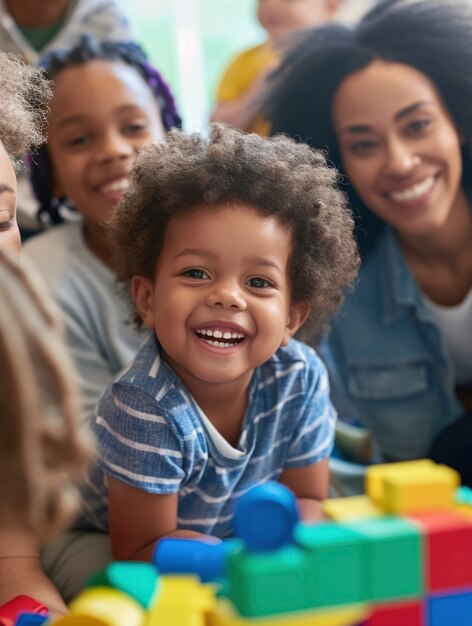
[[277, 176], [41, 445], [23, 105], [85, 50]]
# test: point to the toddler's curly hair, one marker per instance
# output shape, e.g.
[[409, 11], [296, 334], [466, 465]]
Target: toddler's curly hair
[[276, 176], [23, 105]]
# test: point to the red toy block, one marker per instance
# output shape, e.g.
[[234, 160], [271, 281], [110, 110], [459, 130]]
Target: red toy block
[[448, 550], [10, 611], [410, 613]]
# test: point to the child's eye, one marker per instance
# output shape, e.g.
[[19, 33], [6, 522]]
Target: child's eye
[[135, 127], [79, 140], [258, 283], [196, 273]]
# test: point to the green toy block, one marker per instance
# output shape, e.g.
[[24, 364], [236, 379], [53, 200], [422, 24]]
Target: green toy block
[[138, 579], [463, 495], [393, 550], [268, 583], [336, 572]]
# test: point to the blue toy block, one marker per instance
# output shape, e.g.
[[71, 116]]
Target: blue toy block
[[450, 609], [265, 517], [31, 619], [193, 556]]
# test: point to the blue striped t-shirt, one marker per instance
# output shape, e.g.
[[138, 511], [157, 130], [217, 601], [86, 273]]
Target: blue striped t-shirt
[[152, 435]]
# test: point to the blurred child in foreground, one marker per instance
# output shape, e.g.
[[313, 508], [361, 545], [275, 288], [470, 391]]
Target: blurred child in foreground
[[40, 444]]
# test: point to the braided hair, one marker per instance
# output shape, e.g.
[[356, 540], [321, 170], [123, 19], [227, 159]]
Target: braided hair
[[90, 49]]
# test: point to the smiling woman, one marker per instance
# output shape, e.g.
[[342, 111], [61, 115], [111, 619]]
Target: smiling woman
[[391, 102]]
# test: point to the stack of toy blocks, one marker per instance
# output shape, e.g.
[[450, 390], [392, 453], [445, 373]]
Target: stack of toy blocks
[[399, 556], [422, 497]]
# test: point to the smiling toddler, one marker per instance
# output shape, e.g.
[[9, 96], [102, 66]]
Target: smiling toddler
[[228, 245]]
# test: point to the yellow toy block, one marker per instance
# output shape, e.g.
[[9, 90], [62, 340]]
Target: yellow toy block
[[376, 474], [226, 615], [182, 601], [102, 606], [422, 490], [351, 508]]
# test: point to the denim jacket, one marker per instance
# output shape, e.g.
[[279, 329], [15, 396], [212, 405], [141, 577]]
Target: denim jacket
[[387, 359]]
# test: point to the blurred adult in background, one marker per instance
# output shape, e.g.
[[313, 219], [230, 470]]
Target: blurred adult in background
[[391, 101]]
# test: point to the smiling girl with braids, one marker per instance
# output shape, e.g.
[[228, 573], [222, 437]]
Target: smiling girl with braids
[[108, 101]]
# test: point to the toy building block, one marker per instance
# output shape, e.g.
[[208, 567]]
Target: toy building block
[[102, 606], [193, 556], [393, 561], [10, 611], [135, 578], [226, 615], [450, 609], [351, 508], [31, 619], [423, 489], [335, 564], [376, 474], [267, 583], [265, 517], [182, 601], [448, 550], [409, 613], [463, 496]]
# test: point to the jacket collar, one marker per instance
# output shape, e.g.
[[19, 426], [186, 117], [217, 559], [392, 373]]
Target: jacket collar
[[399, 290]]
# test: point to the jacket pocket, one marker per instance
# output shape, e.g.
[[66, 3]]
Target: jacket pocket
[[388, 382]]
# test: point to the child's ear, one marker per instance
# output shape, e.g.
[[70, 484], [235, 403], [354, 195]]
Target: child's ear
[[142, 289], [298, 315]]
